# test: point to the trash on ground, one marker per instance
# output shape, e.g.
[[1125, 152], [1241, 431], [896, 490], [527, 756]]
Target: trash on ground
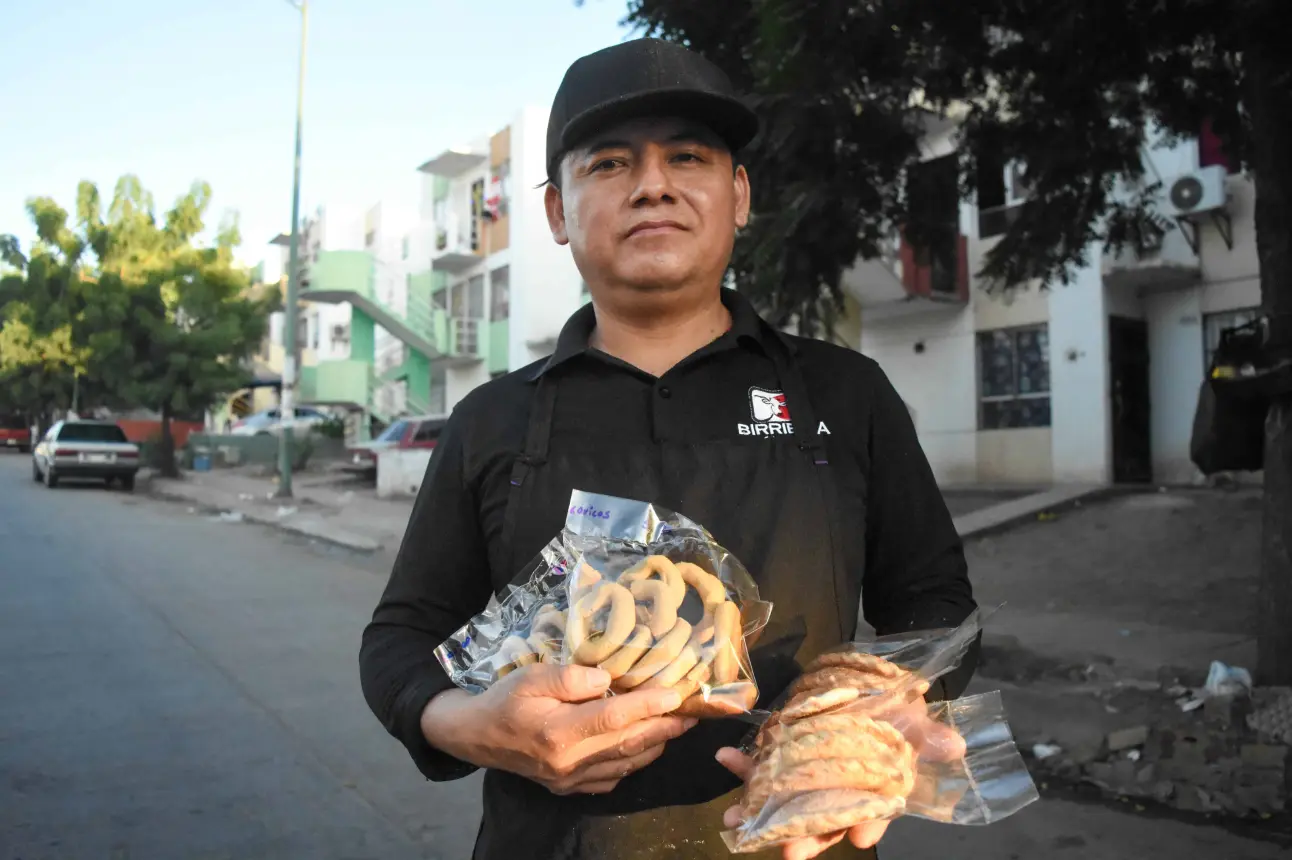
[[1044, 751], [230, 516], [286, 511]]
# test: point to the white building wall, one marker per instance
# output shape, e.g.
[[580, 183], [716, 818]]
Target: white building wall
[[929, 360], [1081, 436], [545, 284]]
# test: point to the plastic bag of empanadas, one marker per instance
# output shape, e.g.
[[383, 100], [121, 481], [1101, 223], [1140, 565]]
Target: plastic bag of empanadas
[[853, 740]]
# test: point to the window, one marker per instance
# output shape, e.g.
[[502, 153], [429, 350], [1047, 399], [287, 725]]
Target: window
[[476, 298], [1214, 324], [502, 176], [1014, 378], [500, 293], [440, 299], [91, 433], [440, 211], [458, 300]]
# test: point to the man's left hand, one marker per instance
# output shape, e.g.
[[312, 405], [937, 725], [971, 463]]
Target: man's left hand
[[933, 741]]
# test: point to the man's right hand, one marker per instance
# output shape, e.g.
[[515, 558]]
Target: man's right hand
[[554, 725]]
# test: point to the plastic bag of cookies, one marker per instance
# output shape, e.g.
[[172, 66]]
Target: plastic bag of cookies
[[853, 740], [642, 592]]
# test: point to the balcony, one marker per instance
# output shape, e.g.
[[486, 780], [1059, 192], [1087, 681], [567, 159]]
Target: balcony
[[904, 280], [1161, 262], [453, 251], [336, 383]]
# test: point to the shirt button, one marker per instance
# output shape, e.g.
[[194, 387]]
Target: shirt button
[[666, 393]]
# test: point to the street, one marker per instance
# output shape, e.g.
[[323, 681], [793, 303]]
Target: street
[[174, 686]]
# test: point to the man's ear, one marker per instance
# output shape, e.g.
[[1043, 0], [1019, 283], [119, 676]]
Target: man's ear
[[741, 180], [555, 206]]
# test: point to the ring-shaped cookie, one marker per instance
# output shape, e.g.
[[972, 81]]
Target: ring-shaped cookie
[[661, 611], [547, 632], [657, 567], [632, 650], [664, 652], [588, 648], [726, 643], [514, 653], [681, 665], [711, 590]]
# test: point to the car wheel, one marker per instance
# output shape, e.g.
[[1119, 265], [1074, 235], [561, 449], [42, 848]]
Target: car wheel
[[128, 483], [51, 480]]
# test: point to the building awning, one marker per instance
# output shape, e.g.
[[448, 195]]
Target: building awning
[[452, 162]]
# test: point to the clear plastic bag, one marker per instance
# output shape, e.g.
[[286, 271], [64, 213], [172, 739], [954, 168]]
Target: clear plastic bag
[[853, 741], [640, 591]]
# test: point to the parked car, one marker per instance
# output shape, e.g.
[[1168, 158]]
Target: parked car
[[15, 432], [94, 450], [419, 431], [269, 421]]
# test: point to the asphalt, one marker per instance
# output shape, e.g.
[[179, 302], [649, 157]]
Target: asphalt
[[173, 687]]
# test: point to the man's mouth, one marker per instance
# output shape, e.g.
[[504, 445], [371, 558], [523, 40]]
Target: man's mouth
[[648, 228]]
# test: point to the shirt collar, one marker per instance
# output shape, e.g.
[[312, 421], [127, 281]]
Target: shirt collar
[[746, 325]]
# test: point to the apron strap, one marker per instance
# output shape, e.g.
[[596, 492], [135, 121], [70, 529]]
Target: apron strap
[[538, 435], [802, 415]]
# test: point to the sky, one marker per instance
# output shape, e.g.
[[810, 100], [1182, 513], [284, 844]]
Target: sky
[[181, 90]]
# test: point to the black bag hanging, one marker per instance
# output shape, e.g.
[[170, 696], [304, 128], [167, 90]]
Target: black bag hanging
[[1229, 424]]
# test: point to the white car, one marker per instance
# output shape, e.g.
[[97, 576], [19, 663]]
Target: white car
[[268, 421], [97, 450]]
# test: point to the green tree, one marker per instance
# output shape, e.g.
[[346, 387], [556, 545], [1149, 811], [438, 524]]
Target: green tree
[[1067, 88], [157, 318]]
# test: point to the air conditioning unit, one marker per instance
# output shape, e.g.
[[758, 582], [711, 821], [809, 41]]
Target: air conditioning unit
[[1194, 193]]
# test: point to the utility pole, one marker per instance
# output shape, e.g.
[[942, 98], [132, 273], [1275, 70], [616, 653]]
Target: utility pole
[[287, 399]]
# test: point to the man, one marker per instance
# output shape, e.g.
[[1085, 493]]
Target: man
[[797, 455]]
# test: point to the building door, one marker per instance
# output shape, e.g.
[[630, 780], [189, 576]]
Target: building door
[[1129, 392]]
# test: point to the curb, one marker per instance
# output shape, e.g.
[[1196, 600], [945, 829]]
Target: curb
[[332, 537], [1028, 509]]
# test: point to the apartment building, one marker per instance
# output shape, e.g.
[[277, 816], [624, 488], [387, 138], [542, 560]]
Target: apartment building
[[408, 306], [1093, 382]]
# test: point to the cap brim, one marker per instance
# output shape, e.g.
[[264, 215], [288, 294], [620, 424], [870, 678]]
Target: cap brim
[[727, 117]]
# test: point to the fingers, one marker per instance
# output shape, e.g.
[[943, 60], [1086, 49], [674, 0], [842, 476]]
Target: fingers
[[867, 835], [737, 762], [567, 683], [593, 778], [631, 741], [733, 817], [621, 711], [942, 743], [810, 846]]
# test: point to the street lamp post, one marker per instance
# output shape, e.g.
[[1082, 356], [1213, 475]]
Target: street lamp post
[[287, 399]]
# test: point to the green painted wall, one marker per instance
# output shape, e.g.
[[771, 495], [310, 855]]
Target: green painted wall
[[343, 270], [362, 336], [342, 381], [440, 189], [418, 375], [498, 346]]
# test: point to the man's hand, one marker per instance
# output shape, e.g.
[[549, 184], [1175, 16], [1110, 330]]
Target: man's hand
[[553, 725], [933, 741]]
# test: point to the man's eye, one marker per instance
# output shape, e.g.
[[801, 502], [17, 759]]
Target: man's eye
[[686, 156], [605, 164]]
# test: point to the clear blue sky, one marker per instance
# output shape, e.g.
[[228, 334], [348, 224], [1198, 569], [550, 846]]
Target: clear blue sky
[[178, 90]]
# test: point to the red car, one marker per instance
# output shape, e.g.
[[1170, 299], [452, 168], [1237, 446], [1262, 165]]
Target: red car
[[15, 433], [418, 431]]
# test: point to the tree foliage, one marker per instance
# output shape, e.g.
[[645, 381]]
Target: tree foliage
[[1073, 91], [1067, 88], [141, 311]]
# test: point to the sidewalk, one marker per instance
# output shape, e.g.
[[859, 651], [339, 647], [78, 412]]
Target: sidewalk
[[328, 507]]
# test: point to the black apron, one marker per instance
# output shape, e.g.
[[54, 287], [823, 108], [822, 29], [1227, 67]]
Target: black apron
[[768, 500]]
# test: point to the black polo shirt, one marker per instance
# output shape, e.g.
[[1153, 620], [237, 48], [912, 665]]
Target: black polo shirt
[[914, 568]]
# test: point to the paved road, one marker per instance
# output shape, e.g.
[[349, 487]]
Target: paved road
[[173, 687]]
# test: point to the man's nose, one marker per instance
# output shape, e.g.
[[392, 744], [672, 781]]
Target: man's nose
[[654, 184]]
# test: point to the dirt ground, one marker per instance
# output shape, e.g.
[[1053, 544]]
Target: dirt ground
[[1184, 560]]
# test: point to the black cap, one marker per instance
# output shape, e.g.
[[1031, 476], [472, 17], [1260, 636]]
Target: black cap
[[644, 77]]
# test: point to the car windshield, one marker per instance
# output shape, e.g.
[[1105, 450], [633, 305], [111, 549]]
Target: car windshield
[[393, 433], [91, 433]]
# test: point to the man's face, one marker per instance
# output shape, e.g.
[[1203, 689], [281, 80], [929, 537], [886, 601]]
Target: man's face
[[650, 205]]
